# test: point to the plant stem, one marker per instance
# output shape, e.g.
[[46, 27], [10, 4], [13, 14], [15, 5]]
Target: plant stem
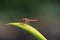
[[29, 29]]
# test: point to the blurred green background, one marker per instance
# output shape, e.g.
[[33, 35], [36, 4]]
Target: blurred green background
[[47, 12]]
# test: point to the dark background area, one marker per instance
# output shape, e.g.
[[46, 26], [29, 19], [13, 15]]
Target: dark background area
[[47, 12]]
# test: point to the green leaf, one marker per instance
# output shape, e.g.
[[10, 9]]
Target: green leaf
[[29, 29]]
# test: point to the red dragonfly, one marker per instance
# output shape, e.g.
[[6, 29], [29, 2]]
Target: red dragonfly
[[26, 20]]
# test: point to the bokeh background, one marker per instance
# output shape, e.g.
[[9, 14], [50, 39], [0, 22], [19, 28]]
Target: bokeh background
[[47, 12]]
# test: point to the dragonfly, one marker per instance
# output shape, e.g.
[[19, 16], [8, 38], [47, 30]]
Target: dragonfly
[[27, 20]]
